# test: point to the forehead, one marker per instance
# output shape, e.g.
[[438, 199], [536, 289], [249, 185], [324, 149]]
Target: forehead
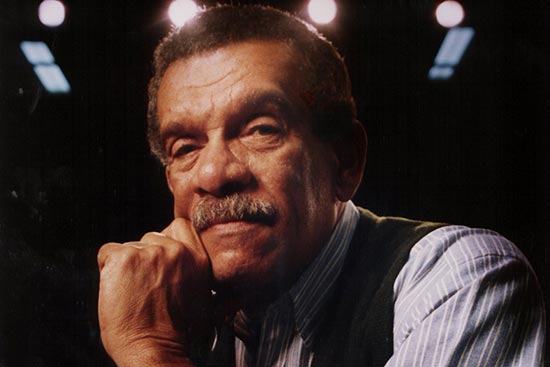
[[229, 71]]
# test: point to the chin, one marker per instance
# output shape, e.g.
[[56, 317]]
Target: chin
[[247, 258], [243, 275]]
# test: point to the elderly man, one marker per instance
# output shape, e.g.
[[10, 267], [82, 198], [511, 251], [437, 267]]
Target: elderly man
[[267, 262]]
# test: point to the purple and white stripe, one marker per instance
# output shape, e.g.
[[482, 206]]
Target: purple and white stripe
[[287, 341], [465, 297]]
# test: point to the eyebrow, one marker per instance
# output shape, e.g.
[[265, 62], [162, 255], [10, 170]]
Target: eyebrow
[[174, 129], [255, 100]]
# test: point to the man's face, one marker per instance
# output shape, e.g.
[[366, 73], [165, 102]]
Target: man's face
[[233, 124]]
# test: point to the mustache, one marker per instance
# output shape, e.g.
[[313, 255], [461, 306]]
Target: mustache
[[235, 207]]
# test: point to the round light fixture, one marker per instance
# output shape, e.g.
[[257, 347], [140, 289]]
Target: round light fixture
[[322, 11], [449, 13], [51, 13], [180, 11]]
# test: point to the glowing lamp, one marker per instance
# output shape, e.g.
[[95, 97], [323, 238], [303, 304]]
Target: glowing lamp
[[51, 13], [322, 11], [449, 14], [180, 11]]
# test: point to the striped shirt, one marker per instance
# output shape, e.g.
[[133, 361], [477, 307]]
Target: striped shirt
[[465, 297], [284, 335]]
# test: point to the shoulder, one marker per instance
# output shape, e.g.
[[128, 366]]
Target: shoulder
[[459, 246], [461, 277], [463, 253], [390, 234]]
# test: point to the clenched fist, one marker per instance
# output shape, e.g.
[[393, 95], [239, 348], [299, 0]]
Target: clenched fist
[[154, 298]]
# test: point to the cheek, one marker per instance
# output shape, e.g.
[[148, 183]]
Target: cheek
[[181, 192], [290, 179]]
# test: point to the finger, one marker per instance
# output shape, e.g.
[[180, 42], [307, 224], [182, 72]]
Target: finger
[[105, 252], [181, 230], [154, 238], [156, 241], [116, 257]]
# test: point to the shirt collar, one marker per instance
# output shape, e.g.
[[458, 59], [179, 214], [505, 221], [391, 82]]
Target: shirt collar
[[306, 298]]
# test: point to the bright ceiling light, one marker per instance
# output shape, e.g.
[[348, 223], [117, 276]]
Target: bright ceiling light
[[180, 11], [37, 52], [51, 13], [451, 51], [322, 11], [52, 78], [441, 72], [455, 43], [449, 14], [49, 73]]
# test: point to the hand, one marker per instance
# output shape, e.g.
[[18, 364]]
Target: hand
[[154, 298]]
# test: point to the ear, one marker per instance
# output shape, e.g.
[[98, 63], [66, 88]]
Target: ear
[[167, 174], [351, 152]]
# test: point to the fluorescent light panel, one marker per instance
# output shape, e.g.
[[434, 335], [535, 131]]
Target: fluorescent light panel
[[37, 52], [455, 43], [50, 75], [441, 72], [52, 78]]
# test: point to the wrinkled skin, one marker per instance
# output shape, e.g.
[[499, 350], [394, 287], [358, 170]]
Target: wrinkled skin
[[143, 303], [233, 123]]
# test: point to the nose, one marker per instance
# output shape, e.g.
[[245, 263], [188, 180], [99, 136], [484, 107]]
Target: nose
[[220, 172]]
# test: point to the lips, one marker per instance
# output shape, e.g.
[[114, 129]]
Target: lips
[[232, 227]]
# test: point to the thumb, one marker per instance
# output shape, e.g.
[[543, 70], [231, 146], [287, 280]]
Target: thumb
[[182, 230]]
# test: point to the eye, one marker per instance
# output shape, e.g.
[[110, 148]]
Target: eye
[[182, 148], [265, 130]]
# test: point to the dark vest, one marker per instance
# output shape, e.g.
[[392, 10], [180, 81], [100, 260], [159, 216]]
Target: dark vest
[[357, 326]]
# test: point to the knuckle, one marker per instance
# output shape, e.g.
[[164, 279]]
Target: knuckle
[[162, 245], [126, 256], [123, 257], [154, 252], [105, 252], [152, 237]]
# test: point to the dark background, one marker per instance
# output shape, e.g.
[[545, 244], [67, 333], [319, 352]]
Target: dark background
[[75, 171]]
